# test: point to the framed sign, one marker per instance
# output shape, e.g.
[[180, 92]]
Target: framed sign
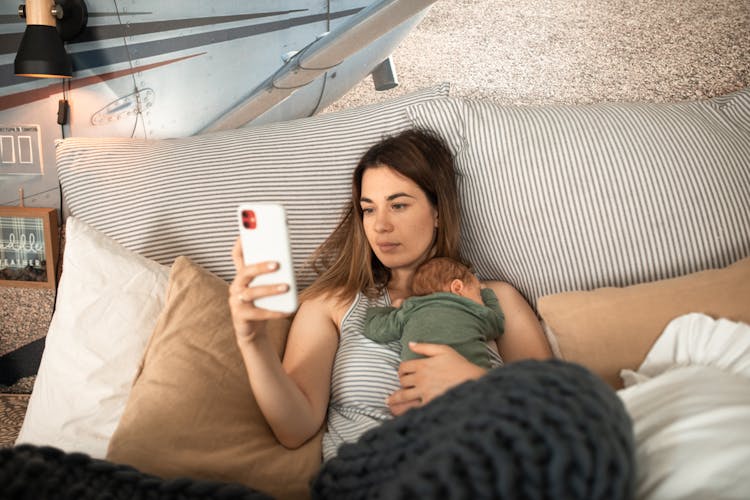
[[29, 240]]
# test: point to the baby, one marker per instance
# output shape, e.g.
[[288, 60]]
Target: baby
[[449, 306]]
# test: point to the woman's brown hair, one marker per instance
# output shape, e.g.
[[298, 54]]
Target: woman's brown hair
[[345, 263]]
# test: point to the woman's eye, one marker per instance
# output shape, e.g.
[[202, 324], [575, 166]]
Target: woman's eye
[[398, 206], [367, 210]]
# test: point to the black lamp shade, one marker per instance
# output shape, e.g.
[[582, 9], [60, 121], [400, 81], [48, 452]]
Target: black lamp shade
[[42, 54]]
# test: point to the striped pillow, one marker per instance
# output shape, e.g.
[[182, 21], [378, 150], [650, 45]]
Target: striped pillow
[[166, 198], [561, 198]]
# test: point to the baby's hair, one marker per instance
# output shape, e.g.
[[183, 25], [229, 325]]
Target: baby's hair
[[436, 274]]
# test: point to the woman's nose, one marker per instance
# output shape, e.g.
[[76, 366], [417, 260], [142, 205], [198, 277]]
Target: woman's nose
[[382, 222]]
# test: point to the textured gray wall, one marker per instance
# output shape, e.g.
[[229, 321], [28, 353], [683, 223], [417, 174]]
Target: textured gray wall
[[572, 51]]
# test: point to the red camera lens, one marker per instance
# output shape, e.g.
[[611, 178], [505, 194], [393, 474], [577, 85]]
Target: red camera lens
[[248, 219]]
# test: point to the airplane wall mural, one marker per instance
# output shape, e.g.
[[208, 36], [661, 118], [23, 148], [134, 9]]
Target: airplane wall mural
[[176, 68]]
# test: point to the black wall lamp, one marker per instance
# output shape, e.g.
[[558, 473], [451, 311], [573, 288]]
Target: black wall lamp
[[49, 23]]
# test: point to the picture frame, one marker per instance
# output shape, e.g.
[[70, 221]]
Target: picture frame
[[29, 246]]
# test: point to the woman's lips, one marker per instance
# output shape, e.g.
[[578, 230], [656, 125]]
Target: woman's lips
[[387, 247]]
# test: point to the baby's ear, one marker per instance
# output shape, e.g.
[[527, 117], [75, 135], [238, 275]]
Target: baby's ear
[[457, 286]]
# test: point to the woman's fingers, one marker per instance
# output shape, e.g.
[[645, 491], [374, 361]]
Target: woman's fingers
[[237, 254], [424, 379], [402, 400], [248, 312], [248, 295], [246, 274], [242, 296], [427, 350], [430, 350], [401, 408], [247, 318]]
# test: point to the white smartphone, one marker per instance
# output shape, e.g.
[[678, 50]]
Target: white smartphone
[[264, 236]]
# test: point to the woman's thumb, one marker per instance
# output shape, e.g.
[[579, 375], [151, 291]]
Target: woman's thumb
[[427, 349]]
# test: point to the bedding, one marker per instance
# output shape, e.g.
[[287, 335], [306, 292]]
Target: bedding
[[29, 472], [108, 300], [532, 429], [690, 405], [561, 198], [555, 199], [610, 329], [178, 197], [191, 410]]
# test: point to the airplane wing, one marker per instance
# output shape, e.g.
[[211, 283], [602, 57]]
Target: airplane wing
[[179, 67], [320, 56]]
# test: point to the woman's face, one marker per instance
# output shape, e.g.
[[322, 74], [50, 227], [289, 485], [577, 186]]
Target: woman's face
[[398, 218]]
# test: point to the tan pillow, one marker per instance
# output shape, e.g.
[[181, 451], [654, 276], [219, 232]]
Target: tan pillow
[[609, 329], [191, 411]]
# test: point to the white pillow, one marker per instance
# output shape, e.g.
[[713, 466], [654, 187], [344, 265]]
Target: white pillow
[[692, 434], [108, 301], [690, 406]]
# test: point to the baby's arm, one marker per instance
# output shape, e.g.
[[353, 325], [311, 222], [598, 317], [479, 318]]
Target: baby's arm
[[490, 300], [382, 324]]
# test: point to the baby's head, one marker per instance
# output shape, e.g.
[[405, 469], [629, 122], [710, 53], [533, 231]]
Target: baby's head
[[442, 274]]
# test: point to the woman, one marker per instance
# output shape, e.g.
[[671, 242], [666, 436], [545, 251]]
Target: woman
[[404, 210]]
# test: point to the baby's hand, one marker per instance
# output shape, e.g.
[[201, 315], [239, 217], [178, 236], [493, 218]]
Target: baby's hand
[[397, 302]]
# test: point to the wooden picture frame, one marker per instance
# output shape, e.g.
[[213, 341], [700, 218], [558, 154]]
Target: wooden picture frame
[[29, 246]]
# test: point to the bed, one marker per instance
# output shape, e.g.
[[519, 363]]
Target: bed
[[625, 226]]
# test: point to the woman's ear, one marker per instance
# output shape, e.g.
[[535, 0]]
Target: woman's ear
[[457, 286]]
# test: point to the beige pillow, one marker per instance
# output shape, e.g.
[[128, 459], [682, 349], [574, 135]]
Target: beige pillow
[[609, 329], [191, 411]]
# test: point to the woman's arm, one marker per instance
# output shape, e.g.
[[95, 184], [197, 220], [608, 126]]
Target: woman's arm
[[292, 395], [523, 337], [424, 379]]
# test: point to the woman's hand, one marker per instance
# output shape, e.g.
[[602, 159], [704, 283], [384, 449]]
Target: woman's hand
[[247, 319], [422, 380]]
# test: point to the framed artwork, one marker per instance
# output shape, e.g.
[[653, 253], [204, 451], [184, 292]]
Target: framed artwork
[[29, 245]]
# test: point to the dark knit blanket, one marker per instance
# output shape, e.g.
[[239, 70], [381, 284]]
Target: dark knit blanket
[[35, 473], [529, 430]]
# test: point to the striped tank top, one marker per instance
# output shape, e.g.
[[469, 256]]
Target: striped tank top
[[364, 374]]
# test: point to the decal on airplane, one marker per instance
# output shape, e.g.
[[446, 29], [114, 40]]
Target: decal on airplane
[[181, 67]]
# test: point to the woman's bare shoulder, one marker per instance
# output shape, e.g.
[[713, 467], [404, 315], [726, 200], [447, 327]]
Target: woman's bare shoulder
[[330, 305], [508, 296], [500, 287]]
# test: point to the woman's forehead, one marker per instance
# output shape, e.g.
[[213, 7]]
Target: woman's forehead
[[383, 181]]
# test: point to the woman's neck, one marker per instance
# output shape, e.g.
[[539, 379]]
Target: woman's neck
[[399, 286]]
